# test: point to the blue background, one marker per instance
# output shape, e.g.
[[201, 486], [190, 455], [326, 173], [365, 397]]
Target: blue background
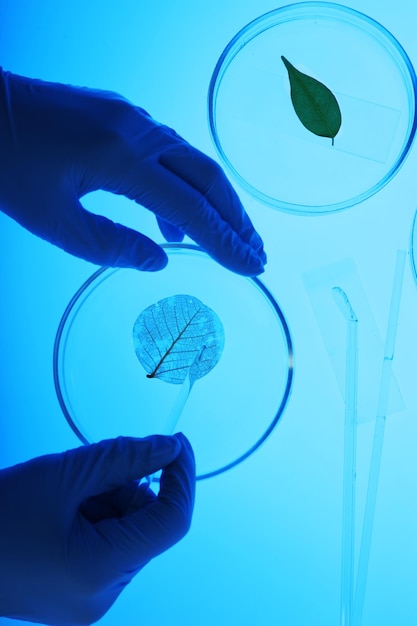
[[265, 543]]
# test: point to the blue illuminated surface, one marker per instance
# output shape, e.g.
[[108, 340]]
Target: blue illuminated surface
[[265, 544]]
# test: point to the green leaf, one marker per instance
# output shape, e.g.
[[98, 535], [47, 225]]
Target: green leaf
[[176, 337], [314, 104]]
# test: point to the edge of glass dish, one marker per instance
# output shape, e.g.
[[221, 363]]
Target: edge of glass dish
[[413, 243], [260, 286], [241, 39]]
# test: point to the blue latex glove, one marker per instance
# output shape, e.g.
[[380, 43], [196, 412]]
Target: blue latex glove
[[59, 143], [75, 527]]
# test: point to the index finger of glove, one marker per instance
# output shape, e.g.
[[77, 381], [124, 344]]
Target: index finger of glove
[[109, 464], [183, 205], [206, 176]]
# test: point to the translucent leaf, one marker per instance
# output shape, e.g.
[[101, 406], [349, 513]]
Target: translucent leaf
[[178, 337], [314, 104]]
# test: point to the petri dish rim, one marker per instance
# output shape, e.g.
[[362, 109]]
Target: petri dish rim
[[269, 20], [104, 272], [413, 247]]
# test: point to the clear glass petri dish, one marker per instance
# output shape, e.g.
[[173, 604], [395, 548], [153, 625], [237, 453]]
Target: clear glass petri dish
[[260, 139], [103, 389]]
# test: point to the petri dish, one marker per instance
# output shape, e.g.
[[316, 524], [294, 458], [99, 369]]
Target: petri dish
[[260, 139], [103, 389]]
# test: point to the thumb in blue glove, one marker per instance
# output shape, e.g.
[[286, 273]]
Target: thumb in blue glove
[[75, 527], [61, 142]]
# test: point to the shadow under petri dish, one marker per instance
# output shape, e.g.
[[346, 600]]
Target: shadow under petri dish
[[103, 389], [258, 135]]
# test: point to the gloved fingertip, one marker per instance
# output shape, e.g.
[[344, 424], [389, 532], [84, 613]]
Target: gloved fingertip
[[257, 256], [261, 271], [253, 266], [166, 451], [186, 447], [151, 263], [181, 438], [258, 262], [175, 442], [170, 232], [262, 255], [257, 245]]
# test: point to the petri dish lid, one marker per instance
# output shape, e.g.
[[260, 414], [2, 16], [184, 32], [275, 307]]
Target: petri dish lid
[[258, 135], [103, 389]]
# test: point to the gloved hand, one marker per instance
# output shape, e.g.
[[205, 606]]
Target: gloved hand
[[60, 142], [66, 552]]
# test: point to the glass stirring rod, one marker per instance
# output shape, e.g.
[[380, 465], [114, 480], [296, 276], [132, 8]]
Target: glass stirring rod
[[379, 431], [349, 456]]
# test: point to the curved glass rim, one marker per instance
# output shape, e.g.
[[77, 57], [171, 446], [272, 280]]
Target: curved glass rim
[[413, 243], [258, 26], [261, 287]]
